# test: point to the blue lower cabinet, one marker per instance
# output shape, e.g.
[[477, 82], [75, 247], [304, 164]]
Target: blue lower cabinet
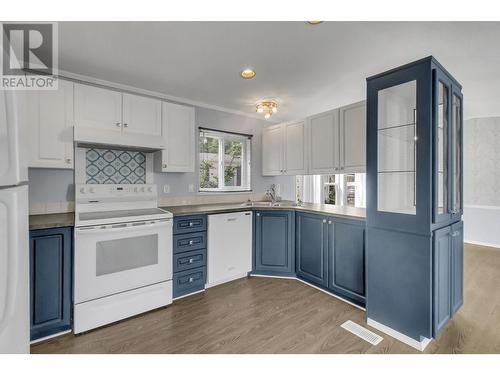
[[442, 279], [189, 281], [311, 246], [457, 266], [50, 281], [189, 254], [190, 259], [448, 253], [274, 243], [347, 258]]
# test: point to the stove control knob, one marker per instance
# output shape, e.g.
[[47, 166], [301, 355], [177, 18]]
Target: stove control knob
[[150, 189], [82, 190], [91, 190], [143, 189]]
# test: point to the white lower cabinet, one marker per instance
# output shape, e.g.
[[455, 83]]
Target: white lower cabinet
[[353, 138], [178, 131], [50, 119], [283, 149]]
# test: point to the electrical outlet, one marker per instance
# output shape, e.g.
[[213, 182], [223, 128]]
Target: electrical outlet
[[166, 189], [191, 188]]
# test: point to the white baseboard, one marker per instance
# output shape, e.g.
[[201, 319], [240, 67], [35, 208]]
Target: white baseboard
[[311, 285], [187, 295], [479, 243], [223, 281], [50, 337], [419, 345]]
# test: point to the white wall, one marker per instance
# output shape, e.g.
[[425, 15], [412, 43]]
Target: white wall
[[482, 181]]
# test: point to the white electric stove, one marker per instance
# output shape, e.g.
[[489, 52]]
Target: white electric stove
[[123, 253]]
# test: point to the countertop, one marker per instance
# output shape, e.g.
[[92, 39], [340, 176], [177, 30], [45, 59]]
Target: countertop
[[341, 211], [46, 221]]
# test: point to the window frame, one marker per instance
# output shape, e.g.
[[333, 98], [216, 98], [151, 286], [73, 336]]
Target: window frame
[[246, 165]]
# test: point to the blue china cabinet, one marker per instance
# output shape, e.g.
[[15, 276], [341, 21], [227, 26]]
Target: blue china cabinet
[[414, 248]]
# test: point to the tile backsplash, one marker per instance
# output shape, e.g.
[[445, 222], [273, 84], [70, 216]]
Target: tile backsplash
[[114, 166]]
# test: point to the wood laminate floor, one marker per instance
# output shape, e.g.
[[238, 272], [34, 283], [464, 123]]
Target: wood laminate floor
[[268, 315]]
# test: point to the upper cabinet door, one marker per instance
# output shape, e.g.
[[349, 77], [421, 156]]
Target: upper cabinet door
[[294, 136], [353, 138], [50, 117], [272, 150], [323, 143], [97, 108], [178, 127], [141, 115], [457, 152]]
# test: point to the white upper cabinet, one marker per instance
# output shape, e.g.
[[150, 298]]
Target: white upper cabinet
[[141, 115], [283, 149], [323, 145], [294, 141], [353, 138], [110, 117], [98, 109], [50, 118], [272, 150], [178, 129]]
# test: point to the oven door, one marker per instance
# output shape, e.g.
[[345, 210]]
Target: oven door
[[110, 259]]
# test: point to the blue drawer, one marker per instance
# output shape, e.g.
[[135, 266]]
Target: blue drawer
[[189, 260], [190, 241], [188, 224], [189, 281]]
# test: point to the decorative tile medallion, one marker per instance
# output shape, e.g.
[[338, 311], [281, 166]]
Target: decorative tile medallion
[[115, 167]]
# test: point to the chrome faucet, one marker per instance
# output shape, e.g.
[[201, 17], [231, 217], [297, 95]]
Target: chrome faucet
[[271, 193]]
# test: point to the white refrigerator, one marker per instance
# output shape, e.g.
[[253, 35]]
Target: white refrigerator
[[14, 234]]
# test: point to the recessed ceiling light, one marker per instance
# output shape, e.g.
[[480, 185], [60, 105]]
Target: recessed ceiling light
[[247, 73], [314, 22]]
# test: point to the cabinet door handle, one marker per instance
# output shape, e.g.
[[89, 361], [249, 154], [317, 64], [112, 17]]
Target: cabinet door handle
[[164, 166], [68, 161], [191, 223], [329, 222], [191, 279], [118, 124], [324, 221], [258, 214], [191, 260], [456, 233], [125, 125], [190, 242]]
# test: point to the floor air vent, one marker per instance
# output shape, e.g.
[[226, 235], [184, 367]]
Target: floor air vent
[[362, 332]]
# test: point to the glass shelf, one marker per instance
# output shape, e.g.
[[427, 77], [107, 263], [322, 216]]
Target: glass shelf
[[396, 145]]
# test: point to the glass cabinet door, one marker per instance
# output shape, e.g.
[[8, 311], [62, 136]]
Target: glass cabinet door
[[456, 153], [442, 132], [396, 155]]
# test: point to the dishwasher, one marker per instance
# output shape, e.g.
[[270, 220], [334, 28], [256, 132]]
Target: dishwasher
[[229, 247]]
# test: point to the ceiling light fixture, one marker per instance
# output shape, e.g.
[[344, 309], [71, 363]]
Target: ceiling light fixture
[[247, 74], [268, 107], [314, 22]]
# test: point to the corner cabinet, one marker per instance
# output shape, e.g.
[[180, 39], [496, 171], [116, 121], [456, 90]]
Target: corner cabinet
[[50, 119], [311, 246], [274, 243], [178, 132], [50, 281], [337, 140], [414, 198], [330, 253], [283, 149]]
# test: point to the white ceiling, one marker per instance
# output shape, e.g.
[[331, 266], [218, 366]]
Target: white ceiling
[[307, 69]]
